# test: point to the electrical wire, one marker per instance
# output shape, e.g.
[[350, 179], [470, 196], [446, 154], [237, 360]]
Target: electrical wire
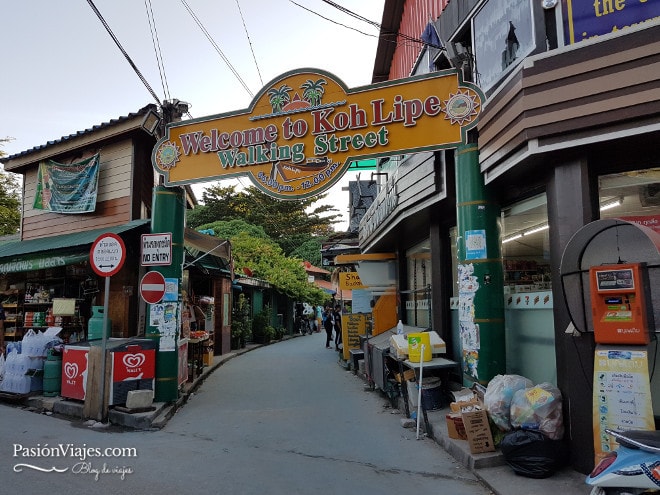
[[333, 21], [368, 21], [217, 48], [121, 48], [156, 43], [249, 42]]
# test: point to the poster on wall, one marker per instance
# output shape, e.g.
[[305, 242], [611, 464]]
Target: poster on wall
[[622, 394]]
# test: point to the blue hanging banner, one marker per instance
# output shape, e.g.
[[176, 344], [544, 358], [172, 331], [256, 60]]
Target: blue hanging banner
[[67, 188]]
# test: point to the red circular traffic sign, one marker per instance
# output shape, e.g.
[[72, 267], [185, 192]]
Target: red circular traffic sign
[[152, 287], [107, 254]]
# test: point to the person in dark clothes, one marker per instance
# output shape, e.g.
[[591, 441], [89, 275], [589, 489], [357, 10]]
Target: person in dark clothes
[[328, 324], [337, 321]]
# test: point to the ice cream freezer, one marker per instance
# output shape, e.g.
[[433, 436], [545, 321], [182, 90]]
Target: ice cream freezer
[[132, 366]]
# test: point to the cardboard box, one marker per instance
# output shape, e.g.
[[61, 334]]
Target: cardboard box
[[407, 375], [465, 405], [478, 431], [455, 427]]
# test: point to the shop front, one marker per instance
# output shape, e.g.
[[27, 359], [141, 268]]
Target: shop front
[[49, 282], [564, 139]]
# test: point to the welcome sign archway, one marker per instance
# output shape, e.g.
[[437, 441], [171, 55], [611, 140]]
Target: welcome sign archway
[[301, 132], [297, 138]]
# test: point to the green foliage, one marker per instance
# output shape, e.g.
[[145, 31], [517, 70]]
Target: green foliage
[[10, 200], [289, 223], [309, 250], [262, 331], [267, 261], [232, 228], [240, 323]]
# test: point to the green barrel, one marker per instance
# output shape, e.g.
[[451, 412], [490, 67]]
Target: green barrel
[[52, 375]]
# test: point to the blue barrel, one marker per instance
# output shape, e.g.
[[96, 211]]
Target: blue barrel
[[52, 375]]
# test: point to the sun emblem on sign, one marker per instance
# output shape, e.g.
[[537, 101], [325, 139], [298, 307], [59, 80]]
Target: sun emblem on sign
[[167, 155], [461, 107]]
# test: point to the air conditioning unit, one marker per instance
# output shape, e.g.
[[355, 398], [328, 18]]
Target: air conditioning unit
[[460, 58]]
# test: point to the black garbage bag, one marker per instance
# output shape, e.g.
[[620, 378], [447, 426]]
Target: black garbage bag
[[532, 454]]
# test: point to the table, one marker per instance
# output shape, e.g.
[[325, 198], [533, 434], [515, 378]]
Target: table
[[437, 363]]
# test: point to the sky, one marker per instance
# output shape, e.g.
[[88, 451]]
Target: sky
[[63, 73]]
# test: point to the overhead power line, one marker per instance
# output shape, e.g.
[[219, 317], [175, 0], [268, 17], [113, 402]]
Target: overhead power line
[[217, 48], [121, 48], [249, 42], [156, 43], [368, 21]]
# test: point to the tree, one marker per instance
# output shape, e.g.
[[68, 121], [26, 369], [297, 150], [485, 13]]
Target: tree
[[267, 261], [289, 223], [10, 200]]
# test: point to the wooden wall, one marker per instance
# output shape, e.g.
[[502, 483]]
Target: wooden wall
[[113, 205]]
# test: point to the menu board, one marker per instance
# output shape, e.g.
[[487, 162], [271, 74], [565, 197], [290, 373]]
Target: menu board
[[622, 394], [352, 326]]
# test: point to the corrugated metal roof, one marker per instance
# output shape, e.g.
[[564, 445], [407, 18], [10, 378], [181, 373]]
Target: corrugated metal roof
[[142, 111], [64, 241]]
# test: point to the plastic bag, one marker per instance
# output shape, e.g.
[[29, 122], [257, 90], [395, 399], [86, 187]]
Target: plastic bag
[[498, 396], [539, 408], [532, 454]]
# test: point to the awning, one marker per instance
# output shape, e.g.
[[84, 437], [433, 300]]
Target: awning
[[203, 251], [54, 251], [207, 252]]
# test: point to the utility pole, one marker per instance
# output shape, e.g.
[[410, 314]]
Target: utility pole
[[168, 214]]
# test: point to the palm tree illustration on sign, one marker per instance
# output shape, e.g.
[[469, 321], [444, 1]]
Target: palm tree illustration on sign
[[279, 97], [313, 91]]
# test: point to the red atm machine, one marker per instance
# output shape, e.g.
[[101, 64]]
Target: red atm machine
[[619, 301]]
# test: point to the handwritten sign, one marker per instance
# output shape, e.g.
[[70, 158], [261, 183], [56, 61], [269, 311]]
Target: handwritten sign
[[350, 280], [352, 326], [622, 394]]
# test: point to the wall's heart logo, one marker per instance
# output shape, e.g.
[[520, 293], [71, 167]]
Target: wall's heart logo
[[134, 360], [71, 370]]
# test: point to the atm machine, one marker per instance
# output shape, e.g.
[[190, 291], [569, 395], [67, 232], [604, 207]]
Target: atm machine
[[620, 303]]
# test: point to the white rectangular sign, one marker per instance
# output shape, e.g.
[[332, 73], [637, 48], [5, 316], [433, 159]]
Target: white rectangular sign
[[156, 250]]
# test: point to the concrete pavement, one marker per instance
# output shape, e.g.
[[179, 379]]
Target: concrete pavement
[[490, 467]]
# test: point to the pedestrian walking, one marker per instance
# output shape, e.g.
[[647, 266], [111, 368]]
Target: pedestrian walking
[[328, 324], [318, 310], [337, 324]]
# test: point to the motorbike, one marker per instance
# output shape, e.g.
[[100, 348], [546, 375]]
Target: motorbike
[[632, 469]]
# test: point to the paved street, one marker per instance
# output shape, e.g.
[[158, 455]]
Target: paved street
[[282, 419]]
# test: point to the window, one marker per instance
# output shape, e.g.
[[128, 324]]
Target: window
[[632, 196], [418, 296], [526, 245]]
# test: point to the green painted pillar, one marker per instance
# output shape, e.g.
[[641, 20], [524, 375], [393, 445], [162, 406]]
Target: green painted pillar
[[480, 273], [168, 216]]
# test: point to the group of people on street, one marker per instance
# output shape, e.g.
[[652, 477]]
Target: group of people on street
[[332, 323]]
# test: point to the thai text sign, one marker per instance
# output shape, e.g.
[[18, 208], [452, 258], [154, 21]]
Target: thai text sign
[[303, 130]]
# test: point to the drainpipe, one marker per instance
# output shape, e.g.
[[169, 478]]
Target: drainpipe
[[480, 273], [168, 215]]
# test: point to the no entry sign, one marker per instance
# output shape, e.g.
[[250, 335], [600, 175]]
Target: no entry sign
[[152, 287]]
